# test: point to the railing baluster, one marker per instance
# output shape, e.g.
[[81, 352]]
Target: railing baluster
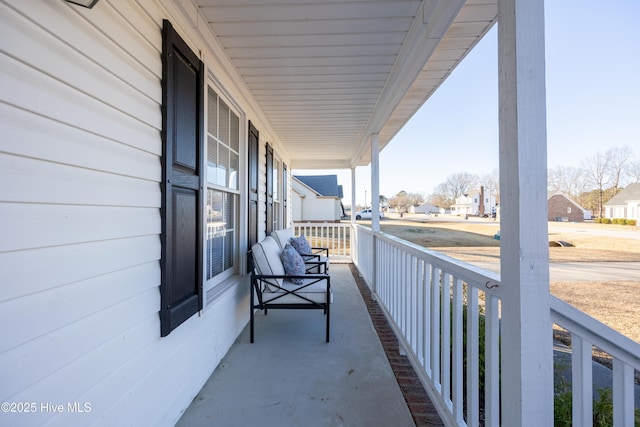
[[419, 310], [581, 375], [435, 328], [492, 363], [623, 405], [473, 360], [457, 366], [445, 327], [426, 321], [415, 304]]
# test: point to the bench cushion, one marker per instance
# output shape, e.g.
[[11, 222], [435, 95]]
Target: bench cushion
[[316, 292], [282, 237], [266, 258], [286, 236]]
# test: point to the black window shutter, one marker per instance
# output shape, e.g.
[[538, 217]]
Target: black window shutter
[[269, 189], [253, 150], [182, 185]]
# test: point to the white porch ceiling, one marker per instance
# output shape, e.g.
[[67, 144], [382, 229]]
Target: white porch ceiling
[[327, 73]]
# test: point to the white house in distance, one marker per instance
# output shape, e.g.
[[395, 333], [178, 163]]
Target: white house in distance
[[475, 203], [625, 204], [316, 198], [427, 208]]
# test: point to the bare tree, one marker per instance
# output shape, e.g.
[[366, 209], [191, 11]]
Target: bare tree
[[596, 172], [456, 185], [567, 180], [441, 196], [403, 201], [491, 183], [633, 172], [618, 160], [462, 182]]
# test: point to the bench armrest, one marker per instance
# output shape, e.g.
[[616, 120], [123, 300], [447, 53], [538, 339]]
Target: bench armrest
[[320, 251]]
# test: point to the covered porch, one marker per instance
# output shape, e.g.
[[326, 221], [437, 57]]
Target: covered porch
[[433, 328], [261, 88], [290, 376]]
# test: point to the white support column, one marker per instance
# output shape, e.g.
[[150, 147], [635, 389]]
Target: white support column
[[375, 207], [527, 358], [375, 183], [353, 195]]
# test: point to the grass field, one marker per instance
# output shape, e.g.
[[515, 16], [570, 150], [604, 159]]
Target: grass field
[[615, 303]]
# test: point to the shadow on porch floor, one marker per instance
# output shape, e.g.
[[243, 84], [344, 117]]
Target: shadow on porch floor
[[291, 377]]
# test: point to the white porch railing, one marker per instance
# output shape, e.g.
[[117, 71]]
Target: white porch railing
[[335, 236], [587, 332], [441, 309]]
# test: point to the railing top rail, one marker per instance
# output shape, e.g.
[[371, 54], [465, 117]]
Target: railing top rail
[[599, 334], [320, 224], [487, 281]]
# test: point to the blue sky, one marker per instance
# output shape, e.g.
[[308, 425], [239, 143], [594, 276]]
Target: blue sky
[[593, 103]]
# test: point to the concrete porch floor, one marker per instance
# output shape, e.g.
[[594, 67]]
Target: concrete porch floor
[[291, 377]]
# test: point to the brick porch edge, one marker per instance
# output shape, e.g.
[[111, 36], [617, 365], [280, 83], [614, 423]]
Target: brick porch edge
[[422, 410]]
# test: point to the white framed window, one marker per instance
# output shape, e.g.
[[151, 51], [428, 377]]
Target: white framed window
[[223, 194]]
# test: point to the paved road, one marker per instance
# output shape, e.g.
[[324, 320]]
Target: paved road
[[587, 271], [627, 232], [570, 271]]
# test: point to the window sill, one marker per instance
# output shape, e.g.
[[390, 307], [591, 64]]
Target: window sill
[[216, 291]]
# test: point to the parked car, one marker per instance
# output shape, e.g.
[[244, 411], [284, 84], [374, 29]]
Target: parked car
[[366, 214]]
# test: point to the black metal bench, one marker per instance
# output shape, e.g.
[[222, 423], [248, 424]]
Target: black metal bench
[[272, 288]]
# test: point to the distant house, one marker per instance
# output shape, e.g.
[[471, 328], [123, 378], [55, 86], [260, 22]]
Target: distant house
[[561, 208], [477, 202], [625, 204], [316, 198], [427, 208]]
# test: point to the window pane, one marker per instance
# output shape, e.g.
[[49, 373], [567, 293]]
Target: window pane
[[235, 133], [234, 162], [215, 232], [276, 179], [224, 123], [228, 250], [212, 114], [212, 159], [229, 241], [276, 216], [229, 211], [223, 165]]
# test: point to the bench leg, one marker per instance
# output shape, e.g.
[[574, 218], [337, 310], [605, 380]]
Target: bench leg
[[328, 315], [251, 309]]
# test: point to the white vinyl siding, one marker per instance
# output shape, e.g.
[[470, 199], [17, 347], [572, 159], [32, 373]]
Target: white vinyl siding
[[80, 147]]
